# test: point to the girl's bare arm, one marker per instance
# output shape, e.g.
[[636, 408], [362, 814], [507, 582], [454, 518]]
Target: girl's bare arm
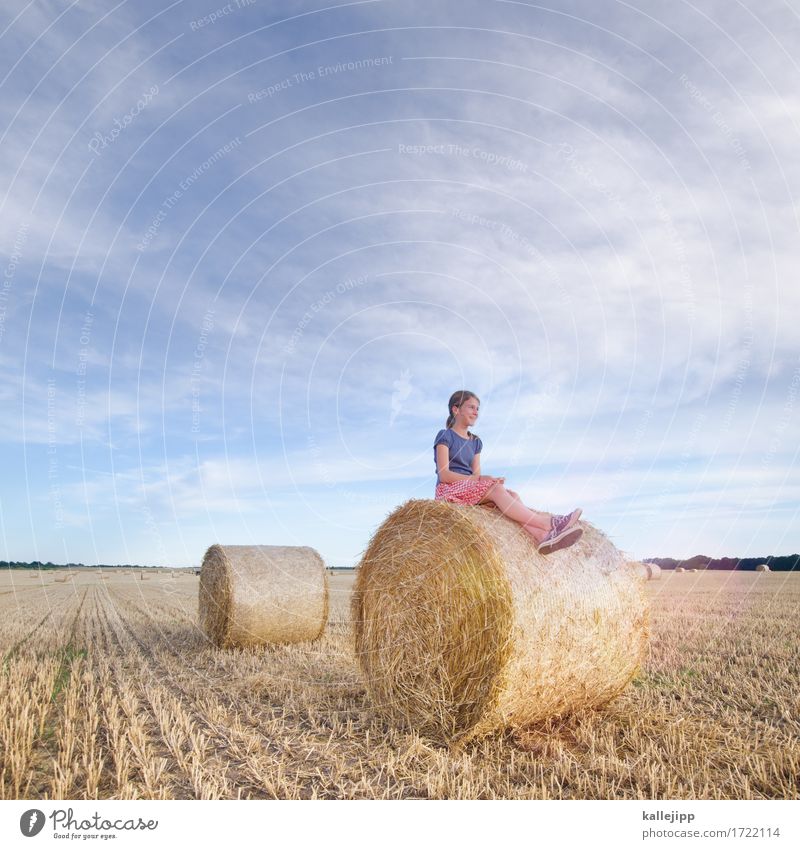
[[476, 471], [443, 464], [476, 466]]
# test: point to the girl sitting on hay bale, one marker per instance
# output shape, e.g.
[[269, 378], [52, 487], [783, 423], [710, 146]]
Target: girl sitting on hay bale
[[459, 478]]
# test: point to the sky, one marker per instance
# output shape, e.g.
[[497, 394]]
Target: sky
[[249, 250]]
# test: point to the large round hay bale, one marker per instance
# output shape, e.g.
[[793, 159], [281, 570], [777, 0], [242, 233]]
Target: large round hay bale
[[258, 594], [679, 569], [462, 628], [762, 567]]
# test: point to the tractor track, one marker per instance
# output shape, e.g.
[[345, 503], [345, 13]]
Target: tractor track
[[258, 754]]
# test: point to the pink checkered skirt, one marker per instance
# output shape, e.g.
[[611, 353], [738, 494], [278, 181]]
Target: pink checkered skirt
[[463, 492]]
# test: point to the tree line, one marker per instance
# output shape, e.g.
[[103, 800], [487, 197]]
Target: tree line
[[37, 564], [784, 563]]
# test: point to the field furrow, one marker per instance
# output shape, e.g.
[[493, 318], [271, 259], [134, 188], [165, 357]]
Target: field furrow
[[109, 690]]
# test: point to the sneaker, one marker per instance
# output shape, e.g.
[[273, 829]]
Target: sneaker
[[561, 522], [554, 536]]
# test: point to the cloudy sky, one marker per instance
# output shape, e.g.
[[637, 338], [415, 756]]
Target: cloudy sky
[[249, 250]]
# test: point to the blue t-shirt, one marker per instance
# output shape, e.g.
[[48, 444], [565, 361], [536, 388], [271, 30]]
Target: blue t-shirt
[[462, 451]]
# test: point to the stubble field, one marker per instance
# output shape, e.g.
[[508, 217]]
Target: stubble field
[[108, 690]]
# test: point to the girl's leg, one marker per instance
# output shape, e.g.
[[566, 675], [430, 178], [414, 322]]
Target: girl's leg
[[532, 522], [545, 517], [571, 518]]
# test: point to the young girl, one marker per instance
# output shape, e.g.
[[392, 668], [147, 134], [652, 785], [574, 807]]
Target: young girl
[[457, 454]]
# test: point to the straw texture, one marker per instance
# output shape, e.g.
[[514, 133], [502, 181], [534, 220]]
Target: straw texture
[[258, 594], [462, 628]]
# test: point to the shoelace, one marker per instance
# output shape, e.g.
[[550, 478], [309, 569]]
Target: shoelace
[[559, 523]]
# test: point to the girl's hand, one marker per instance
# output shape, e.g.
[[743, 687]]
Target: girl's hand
[[491, 478]]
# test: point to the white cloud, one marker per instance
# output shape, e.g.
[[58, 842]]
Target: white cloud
[[649, 268]]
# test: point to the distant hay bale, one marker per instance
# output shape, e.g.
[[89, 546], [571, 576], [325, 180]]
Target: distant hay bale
[[462, 628], [762, 567], [679, 569], [648, 571], [653, 571], [258, 594]]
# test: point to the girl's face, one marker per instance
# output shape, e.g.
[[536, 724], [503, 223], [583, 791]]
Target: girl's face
[[468, 411]]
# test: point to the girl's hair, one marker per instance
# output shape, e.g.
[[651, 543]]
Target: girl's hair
[[456, 400]]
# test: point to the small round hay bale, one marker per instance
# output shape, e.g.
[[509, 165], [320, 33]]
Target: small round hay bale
[[648, 571], [763, 567], [258, 594], [679, 569], [462, 628]]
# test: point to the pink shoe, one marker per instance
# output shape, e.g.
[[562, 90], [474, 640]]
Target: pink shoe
[[560, 522], [554, 536]]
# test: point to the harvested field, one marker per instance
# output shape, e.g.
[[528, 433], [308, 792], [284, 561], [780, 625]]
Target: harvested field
[[109, 690]]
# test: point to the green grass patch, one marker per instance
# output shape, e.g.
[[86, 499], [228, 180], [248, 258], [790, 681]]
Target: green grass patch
[[68, 655]]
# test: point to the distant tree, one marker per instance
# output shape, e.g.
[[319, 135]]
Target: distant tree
[[784, 563]]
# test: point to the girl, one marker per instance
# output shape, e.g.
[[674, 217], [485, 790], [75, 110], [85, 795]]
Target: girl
[[459, 479]]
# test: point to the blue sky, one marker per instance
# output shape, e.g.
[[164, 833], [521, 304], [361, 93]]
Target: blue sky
[[249, 250]]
